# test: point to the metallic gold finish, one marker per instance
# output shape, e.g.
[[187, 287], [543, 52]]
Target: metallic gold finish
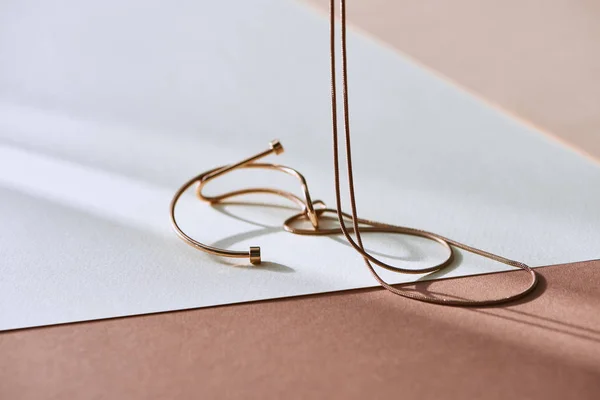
[[306, 204], [316, 211], [276, 146], [255, 255], [358, 245]]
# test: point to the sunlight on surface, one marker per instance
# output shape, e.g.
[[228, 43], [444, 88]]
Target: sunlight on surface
[[107, 195]]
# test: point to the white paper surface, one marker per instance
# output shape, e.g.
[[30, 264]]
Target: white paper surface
[[107, 107]]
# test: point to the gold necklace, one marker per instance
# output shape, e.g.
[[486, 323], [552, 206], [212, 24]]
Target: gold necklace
[[316, 211]]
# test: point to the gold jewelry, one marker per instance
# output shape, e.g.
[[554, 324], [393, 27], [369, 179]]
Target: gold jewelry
[[314, 211]]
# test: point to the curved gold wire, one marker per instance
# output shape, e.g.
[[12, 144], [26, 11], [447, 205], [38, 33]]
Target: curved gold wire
[[310, 213], [254, 253], [358, 245], [372, 227], [375, 226], [307, 204]]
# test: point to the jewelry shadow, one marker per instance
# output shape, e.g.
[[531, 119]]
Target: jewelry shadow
[[509, 313], [412, 254], [264, 265], [264, 229], [423, 284], [232, 240]]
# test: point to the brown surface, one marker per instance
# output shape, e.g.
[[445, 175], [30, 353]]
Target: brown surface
[[369, 343], [537, 59], [350, 345]]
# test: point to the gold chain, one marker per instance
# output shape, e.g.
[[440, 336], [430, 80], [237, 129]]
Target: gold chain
[[316, 211]]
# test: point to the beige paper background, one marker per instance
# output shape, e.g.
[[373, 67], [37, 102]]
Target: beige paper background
[[536, 59]]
